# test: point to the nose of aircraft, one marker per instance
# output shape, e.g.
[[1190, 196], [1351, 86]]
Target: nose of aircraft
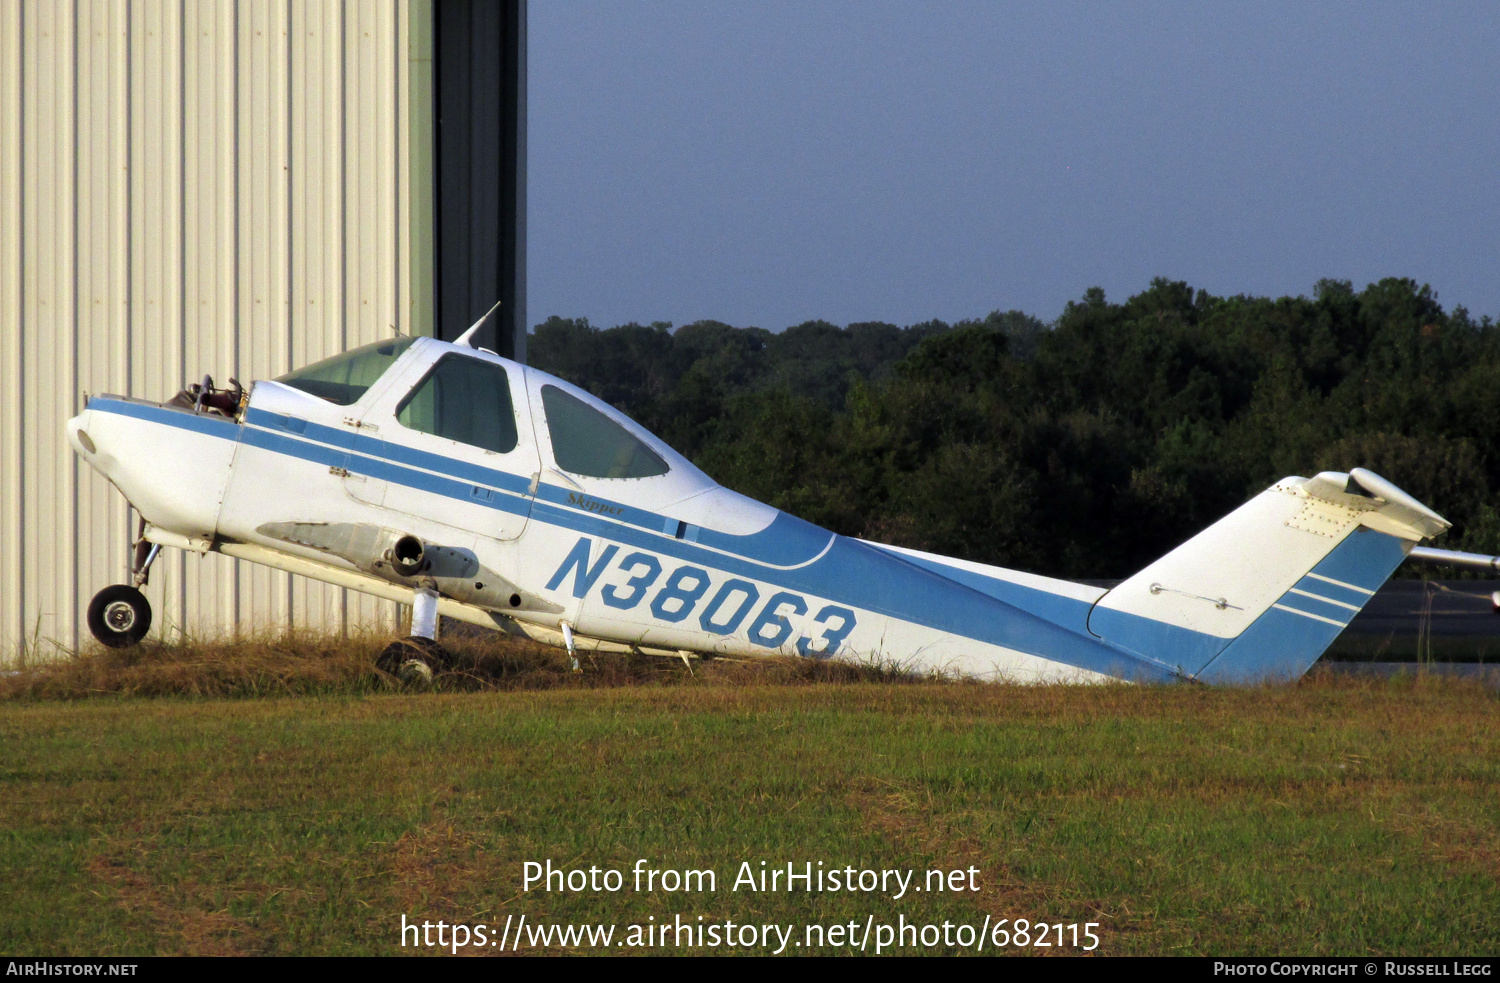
[[87, 446], [170, 464]]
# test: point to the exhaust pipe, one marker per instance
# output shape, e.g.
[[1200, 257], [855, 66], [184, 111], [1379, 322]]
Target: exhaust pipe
[[407, 556]]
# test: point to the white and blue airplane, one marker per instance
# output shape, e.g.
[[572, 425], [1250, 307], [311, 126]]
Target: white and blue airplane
[[472, 487]]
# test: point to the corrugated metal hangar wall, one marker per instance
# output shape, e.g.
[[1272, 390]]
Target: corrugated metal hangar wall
[[185, 188]]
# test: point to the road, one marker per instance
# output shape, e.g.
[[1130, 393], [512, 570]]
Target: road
[[1444, 626], [1448, 608]]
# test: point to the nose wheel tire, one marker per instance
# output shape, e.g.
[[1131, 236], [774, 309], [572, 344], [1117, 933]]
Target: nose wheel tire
[[119, 616], [414, 660]]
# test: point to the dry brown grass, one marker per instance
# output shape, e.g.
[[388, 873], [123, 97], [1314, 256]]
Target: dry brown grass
[[289, 662]]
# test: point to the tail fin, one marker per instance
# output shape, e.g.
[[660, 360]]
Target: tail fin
[[1264, 591]]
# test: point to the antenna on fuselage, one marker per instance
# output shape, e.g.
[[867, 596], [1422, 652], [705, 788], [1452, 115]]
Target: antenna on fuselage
[[467, 338]]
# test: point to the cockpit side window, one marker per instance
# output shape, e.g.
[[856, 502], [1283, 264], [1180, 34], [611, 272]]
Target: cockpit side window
[[464, 399], [344, 378], [586, 442]]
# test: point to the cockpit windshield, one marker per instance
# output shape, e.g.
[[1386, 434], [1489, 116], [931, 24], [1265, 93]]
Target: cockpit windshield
[[344, 378], [586, 442]]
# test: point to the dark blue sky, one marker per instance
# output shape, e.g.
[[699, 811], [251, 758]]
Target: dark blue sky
[[768, 163]]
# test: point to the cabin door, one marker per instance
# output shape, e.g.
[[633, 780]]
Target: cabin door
[[452, 442]]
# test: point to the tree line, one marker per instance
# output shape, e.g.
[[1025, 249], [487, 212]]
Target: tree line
[[1084, 447]]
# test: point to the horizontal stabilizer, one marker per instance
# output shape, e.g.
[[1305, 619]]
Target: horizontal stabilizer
[[1455, 558]]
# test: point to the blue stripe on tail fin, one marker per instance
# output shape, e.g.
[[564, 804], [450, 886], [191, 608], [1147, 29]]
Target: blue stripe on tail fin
[[1284, 642]]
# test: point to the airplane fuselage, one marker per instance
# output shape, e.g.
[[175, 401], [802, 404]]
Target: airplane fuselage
[[571, 516]]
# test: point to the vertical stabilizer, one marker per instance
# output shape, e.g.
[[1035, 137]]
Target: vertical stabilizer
[[1262, 593]]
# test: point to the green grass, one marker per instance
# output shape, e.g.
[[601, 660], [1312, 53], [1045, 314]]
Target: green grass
[[1331, 817]]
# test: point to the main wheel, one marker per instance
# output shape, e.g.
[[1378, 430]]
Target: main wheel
[[413, 660], [119, 616]]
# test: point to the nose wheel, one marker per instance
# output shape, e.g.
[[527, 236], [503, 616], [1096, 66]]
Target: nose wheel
[[119, 616]]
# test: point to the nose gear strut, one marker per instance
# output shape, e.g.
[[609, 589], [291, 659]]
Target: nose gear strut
[[146, 553]]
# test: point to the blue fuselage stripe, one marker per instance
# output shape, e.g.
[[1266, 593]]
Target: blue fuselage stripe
[[183, 419]]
